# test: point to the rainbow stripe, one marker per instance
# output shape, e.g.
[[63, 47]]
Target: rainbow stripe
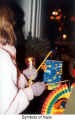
[[54, 101]]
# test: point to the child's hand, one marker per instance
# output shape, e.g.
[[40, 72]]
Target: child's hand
[[44, 67], [30, 73], [38, 88]]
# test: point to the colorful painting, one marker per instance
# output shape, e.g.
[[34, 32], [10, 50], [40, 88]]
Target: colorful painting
[[52, 71]]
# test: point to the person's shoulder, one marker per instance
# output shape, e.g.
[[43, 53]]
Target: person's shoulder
[[4, 56]]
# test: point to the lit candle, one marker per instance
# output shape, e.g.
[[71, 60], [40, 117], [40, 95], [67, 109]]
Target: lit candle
[[30, 63]]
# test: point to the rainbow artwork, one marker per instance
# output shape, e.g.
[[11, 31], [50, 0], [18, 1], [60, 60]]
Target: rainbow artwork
[[56, 100]]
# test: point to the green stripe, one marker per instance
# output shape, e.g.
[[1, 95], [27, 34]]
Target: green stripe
[[55, 99]]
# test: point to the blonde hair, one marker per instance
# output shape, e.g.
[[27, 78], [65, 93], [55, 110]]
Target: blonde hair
[[7, 24]]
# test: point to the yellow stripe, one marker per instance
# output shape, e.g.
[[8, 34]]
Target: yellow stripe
[[40, 66]]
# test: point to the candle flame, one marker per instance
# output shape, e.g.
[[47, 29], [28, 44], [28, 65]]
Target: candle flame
[[29, 59]]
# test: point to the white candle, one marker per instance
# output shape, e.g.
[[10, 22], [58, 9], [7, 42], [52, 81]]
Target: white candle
[[30, 63]]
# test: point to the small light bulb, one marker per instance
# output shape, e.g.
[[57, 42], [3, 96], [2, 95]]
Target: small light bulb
[[64, 36]]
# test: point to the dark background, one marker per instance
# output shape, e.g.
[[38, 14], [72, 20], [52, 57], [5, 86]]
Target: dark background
[[49, 31]]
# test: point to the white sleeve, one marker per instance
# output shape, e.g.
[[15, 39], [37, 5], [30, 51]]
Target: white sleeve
[[21, 101], [11, 101], [22, 81]]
